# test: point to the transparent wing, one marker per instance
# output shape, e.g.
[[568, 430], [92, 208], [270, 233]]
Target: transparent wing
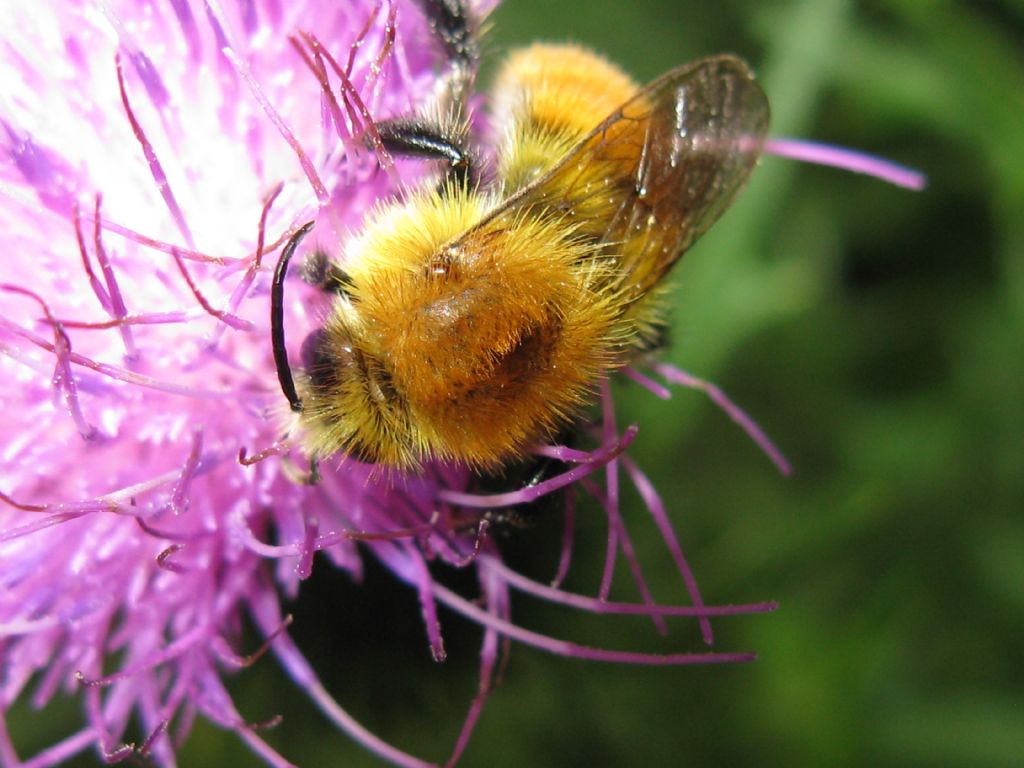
[[659, 171]]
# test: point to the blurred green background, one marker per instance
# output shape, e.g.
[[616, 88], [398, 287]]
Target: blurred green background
[[876, 334]]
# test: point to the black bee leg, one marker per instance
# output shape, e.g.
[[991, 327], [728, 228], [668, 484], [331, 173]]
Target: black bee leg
[[297, 476], [284, 372], [445, 135], [419, 138], [526, 515]]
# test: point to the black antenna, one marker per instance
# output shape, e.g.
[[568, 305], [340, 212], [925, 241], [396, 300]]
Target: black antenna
[[284, 373]]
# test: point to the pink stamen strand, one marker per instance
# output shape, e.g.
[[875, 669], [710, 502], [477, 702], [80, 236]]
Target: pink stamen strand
[[116, 753], [392, 535], [62, 379], [402, 68], [308, 546], [568, 531], [121, 501], [594, 605], [619, 540], [647, 383], [361, 37], [321, 542], [117, 306], [611, 502], [155, 168], [245, 284], [113, 371], [198, 634], [734, 412], [240, 529], [276, 449], [459, 561], [574, 650], [94, 282], [395, 534], [266, 725], [611, 547], [349, 94], [236, 322], [847, 160], [164, 535], [488, 660], [265, 612], [614, 514], [261, 228], [316, 66], [62, 751], [220, 708], [265, 752], [22, 506], [424, 584], [27, 529], [226, 654], [150, 741], [163, 560], [353, 101], [564, 453], [179, 498], [322, 195], [445, 540], [598, 459], [656, 508], [165, 247], [221, 43], [153, 318], [377, 67]]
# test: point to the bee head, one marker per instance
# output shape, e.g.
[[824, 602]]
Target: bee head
[[350, 403]]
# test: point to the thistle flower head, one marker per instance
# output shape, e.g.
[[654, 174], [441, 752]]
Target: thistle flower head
[[153, 159]]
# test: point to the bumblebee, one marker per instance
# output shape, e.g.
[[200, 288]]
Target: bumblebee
[[475, 318]]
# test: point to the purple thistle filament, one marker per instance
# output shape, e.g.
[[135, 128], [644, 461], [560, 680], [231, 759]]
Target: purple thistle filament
[[154, 158]]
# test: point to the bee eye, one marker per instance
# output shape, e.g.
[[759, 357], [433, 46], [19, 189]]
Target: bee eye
[[314, 354], [330, 359]]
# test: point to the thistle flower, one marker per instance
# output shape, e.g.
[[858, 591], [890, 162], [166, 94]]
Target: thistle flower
[[154, 156]]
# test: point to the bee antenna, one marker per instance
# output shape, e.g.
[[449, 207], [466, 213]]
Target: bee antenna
[[284, 372]]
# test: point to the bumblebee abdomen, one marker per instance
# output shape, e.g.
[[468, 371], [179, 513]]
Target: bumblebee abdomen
[[549, 97]]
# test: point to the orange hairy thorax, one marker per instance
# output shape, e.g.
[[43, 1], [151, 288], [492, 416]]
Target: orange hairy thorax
[[470, 351], [476, 319]]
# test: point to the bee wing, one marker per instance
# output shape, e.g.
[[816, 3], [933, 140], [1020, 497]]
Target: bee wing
[[658, 172]]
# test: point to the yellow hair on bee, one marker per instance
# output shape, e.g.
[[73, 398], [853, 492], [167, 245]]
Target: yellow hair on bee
[[470, 349], [548, 97]]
